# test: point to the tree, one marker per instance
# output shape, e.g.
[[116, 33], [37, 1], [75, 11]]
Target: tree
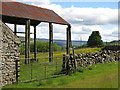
[[95, 39], [41, 47]]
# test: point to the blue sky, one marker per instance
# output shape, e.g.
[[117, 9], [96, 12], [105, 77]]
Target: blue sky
[[83, 16], [113, 5]]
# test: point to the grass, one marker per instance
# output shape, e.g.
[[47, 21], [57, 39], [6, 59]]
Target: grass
[[25, 73], [100, 75]]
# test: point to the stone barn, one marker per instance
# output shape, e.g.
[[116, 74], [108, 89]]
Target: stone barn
[[9, 53]]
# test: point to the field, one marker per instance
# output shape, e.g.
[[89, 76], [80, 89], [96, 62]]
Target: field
[[96, 76], [60, 53]]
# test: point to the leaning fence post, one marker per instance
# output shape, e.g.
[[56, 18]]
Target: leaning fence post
[[56, 67], [63, 66], [71, 59], [74, 58], [16, 70], [45, 71], [31, 67], [67, 66]]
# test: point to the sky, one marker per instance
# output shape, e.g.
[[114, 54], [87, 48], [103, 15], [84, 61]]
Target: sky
[[84, 16]]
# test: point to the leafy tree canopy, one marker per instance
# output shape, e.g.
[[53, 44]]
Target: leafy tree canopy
[[41, 47]]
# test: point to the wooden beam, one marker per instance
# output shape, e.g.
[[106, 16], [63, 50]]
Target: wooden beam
[[70, 35], [15, 29], [50, 42], [35, 47], [23, 32], [68, 40], [27, 42]]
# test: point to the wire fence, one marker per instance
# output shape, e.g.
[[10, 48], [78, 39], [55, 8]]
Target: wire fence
[[40, 68]]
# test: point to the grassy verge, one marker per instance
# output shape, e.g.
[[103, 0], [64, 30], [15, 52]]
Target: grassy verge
[[96, 76]]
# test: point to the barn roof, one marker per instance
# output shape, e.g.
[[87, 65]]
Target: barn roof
[[17, 13]]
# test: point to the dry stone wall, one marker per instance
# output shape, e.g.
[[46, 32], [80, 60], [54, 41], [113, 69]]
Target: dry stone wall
[[9, 53], [106, 56], [112, 47], [89, 59]]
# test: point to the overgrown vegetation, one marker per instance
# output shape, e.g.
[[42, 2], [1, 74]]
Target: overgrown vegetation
[[82, 46], [41, 47], [60, 53]]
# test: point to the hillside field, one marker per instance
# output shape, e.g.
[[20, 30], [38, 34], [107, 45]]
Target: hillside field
[[96, 76]]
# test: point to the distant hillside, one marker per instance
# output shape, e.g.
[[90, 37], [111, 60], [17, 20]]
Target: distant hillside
[[61, 43], [115, 41]]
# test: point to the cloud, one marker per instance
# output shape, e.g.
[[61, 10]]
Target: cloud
[[41, 2], [85, 16]]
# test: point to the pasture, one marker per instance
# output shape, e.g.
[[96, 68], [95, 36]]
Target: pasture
[[96, 76]]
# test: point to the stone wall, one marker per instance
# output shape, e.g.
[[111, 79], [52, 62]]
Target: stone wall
[[0, 54], [9, 53], [89, 59], [112, 47]]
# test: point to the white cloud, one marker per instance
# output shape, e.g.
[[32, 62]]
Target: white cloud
[[85, 16], [42, 2]]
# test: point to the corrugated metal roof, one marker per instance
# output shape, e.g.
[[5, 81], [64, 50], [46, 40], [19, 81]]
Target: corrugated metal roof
[[21, 10]]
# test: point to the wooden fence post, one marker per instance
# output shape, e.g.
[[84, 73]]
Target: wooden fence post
[[74, 58], [45, 71], [67, 64], [31, 67], [16, 70], [56, 67], [63, 66]]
